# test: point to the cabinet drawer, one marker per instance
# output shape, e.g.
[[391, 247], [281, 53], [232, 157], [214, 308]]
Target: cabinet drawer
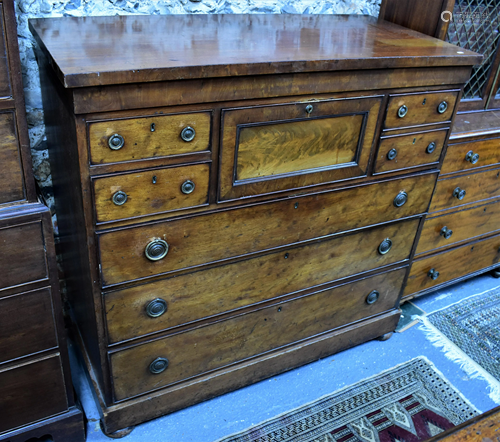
[[5, 90], [11, 175], [217, 345], [31, 392], [248, 282], [477, 186], [149, 137], [464, 225], [23, 254], [26, 324], [466, 156], [268, 149], [198, 240], [407, 151], [415, 109], [453, 264], [150, 191]]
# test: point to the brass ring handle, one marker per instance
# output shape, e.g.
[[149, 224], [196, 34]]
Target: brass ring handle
[[433, 274], [459, 193], [156, 308], [392, 154], [443, 107], [431, 148], [385, 246], [401, 199], [159, 365], [116, 142], [446, 233], [156, 250], [372, 298], [187, 187], [402, 111], [119, 198], [188, 134], [472, 157]]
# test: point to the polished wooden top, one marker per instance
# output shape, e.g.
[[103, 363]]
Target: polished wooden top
[[475, 124], [92, 51]]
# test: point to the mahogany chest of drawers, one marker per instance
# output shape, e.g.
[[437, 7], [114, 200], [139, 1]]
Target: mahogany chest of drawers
[[237, 195]]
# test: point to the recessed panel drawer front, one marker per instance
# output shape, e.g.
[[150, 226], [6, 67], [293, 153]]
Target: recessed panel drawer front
[[217, 345], [453, 264], [465, 156], [408, 110], [407, 151], [261, 227], [442, 231], [11, 175], [150, 191], [268, 149], [31, 392], [251, 281], [26, 324], [453, 192], [5, 90], [156, 136], [23, 255]]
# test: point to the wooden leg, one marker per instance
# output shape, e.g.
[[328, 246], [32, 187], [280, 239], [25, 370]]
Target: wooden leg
[[385, 337], [118, 434], [495, 272]]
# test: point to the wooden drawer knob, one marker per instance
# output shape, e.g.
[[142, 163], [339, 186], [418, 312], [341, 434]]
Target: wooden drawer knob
[[119, 198], [392, 154], [459, 193], [446, 233], [472, 157], [116, 142], [443, 107], [188, 134], [433, 274], [156, 250], [372, 298], [159, 365], [385, 246], [156, 308], [187, 187], [401, 199], [402, 111]]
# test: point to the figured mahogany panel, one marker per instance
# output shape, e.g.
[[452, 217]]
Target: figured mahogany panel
[[458, 158], [5, 89]]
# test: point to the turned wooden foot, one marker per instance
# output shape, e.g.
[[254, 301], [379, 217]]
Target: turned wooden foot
[[118, 434], [385, 337], [495, 272]]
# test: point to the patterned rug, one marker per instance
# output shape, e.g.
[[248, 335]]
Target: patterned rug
[[469, 333], [408, 403]]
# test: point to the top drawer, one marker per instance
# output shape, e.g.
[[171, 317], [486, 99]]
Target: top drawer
[[407, 110], [5, 90], [466, 156], [267, 149], [149, 137]]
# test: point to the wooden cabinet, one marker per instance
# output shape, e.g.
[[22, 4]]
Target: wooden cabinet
[[232, 212]]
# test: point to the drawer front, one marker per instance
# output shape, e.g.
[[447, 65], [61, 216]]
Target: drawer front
[[31, 392], [150, 191], [5, 90], [23, 256], [477, 187], [463, 225], [409, 110], [149, 137], [256, 228], [26, 324], [407, 151], [217, 345], [453, 264], [248, 282], [11, 175], [268, 149], [465, 156]]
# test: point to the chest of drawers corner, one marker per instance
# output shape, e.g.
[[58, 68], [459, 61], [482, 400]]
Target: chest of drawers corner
[[227, 216]]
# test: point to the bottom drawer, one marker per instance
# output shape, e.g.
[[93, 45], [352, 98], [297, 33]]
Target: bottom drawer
[[453, 264], [197, 351], [31, 392]]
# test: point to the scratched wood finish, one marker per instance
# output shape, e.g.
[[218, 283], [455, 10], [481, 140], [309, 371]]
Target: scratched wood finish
[[411, 151], [456, 161], [150, 191], [465, 224], [422, 109], [478, 186], [5, 89], [142, 140], [453, 264], [26, 324], [284, 149], [11, 172], [207, 348]]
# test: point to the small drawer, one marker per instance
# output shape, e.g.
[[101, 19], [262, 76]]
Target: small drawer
[[23, 255], [151, 191], [408, 110], [453, 264], [408, 151], [445, 230], [465, 156], [31, 392], [185, 355], [466, 189], [26, 324], [156, 136], [5, 88]]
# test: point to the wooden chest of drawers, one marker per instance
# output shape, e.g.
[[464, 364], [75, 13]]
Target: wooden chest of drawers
[[242, 200]]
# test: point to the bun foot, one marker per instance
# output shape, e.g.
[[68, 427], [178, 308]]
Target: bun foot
[[118, 434], [495, 272], [385, 337]]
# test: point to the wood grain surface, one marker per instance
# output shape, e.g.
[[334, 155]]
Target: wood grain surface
[[455, 160], [469, 125], [5, 89]]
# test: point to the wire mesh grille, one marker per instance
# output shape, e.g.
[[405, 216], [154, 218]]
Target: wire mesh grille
[[475, 26]]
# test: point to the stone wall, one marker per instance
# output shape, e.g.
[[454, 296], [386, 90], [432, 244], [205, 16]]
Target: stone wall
[[26, 9]]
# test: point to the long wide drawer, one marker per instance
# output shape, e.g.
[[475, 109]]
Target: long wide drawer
[[254, 280], [261, 227], [465, 156], [163, 362], [452, 264]]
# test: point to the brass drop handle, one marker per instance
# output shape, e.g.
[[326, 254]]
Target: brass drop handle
[[401, 199], [119, 198], [459, 193], [187, 187], [156, 250], [446, 233], [372, 298], [433, 274], [402, 111], [385, 246], [443, 107], [309, 108], [392, 154], [472, 157], [156, 308], [188, 134], [159, 365], [116, 142], [431, 148]]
